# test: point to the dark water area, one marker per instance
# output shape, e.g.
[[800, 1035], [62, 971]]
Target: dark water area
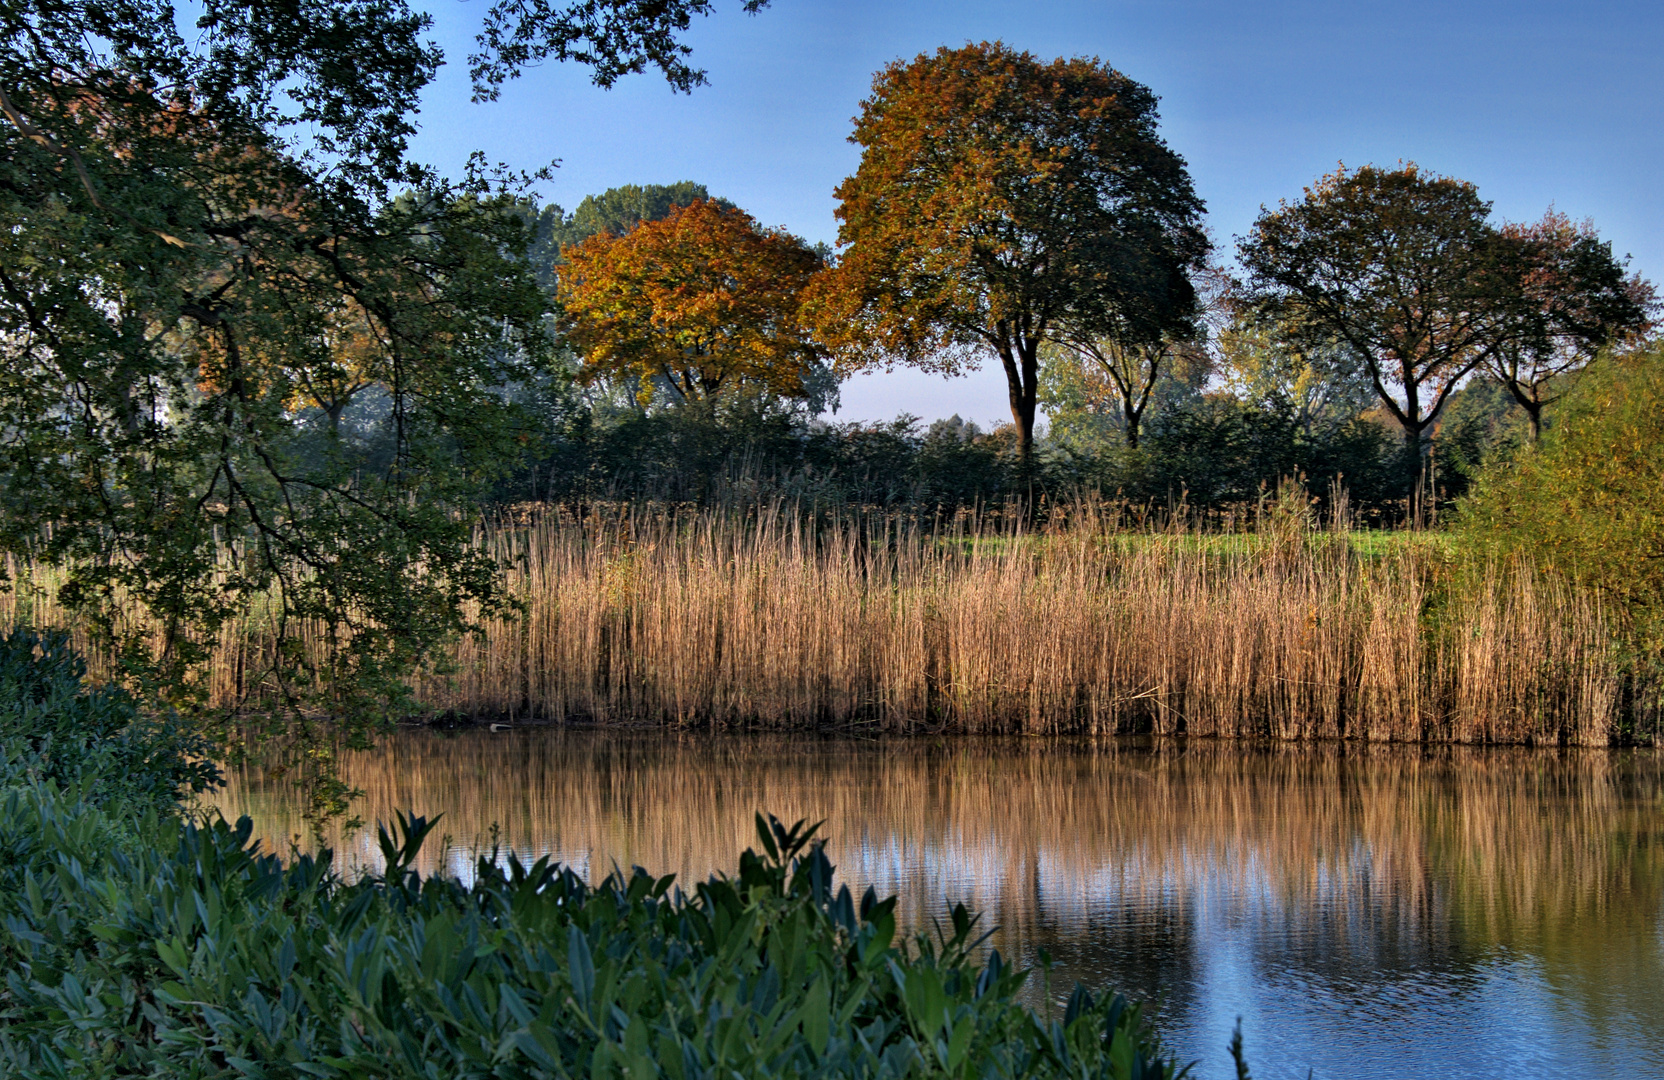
[[1368, 911]]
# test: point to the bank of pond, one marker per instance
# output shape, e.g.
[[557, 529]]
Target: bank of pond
[[136, 941], [778, 620]]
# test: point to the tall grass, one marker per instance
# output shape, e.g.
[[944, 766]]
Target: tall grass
[[780, 619], [707, 619]]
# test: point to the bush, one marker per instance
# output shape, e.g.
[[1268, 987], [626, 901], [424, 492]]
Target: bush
[[54, 728], [1222, 451], [1590, 501]]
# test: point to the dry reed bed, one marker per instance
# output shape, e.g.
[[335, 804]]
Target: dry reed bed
[[709, 620], [764, 621]]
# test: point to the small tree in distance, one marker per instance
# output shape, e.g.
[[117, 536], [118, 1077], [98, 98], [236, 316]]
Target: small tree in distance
[[696, 304], [1573, 299], [1000, 202]]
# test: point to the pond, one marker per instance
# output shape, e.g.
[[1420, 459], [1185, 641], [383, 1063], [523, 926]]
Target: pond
[[1368, 911]]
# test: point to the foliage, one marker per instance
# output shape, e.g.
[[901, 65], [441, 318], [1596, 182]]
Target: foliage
[[1000, 202], [1398, 268], [1103, 391], [253, 354], [54, 729], [1590, 501], [616, 210], [614, 37], [1221, 452], [750, 448], [701, 302], [199, 956], [1258, 363], [1572, 301], [1211, 452], [133, 942], [1481, 425]]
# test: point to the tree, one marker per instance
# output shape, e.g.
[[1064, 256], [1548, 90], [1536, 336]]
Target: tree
[[1572, 299], [1123, 382], [1133, 369], [203, 236], [1259, 364], [698, 303], [1400, 269], [1000, 203], [616, 210]]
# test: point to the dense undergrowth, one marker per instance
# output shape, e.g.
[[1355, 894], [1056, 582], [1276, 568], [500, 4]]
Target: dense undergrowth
[[136, 941]]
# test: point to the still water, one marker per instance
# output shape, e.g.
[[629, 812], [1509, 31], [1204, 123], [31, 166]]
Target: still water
[[1368, 911]]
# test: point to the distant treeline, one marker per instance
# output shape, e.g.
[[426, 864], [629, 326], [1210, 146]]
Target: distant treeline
[[1211, 453]]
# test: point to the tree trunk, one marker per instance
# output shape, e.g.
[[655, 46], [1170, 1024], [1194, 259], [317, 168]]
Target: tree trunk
[[1535, 411], [1022, 375], [1414, 506]]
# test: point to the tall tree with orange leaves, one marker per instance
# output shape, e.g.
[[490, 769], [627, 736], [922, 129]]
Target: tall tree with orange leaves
[[699, 303], [1002, 202]]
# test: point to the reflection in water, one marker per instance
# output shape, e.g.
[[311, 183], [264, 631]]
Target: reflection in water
[[1368, 911]]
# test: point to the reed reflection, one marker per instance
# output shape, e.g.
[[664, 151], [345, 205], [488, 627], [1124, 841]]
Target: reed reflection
[[1487, 905]]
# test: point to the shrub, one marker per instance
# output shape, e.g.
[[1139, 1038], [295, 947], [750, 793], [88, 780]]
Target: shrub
[[54, 728], [1590, 501]]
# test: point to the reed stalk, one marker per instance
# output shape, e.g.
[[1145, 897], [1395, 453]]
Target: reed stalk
[[781, 619]]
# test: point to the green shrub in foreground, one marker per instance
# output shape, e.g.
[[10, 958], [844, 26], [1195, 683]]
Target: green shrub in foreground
[[194, 955]]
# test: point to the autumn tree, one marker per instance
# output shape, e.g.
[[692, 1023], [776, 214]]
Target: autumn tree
[[1571, 299], [1002, 202], [616, 210], [698, 303]]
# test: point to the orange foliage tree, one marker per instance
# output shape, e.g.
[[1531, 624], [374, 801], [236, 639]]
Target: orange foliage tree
[[1002, 202], [700, 302]]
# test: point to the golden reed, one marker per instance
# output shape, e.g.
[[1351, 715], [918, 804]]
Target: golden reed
[[769, 620]]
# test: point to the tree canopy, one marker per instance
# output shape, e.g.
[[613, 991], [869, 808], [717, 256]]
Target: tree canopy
[[616, 210], [1000, 201], [218, 249], [697, 303], [1571, 299], [1399, 267], [1402, 271]]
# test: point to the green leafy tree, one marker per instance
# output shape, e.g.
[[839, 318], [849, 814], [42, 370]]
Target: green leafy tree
[[211, 237], [1106, 386], [1256, 363], [1401, 270], [1003, 202]]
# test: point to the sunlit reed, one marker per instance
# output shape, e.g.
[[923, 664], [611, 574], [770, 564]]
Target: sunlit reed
[[780, 619]]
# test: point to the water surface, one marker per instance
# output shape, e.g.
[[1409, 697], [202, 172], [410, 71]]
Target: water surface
[[1367, 911]]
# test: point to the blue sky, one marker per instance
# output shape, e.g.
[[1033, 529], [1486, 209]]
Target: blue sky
[[1536, 103]]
